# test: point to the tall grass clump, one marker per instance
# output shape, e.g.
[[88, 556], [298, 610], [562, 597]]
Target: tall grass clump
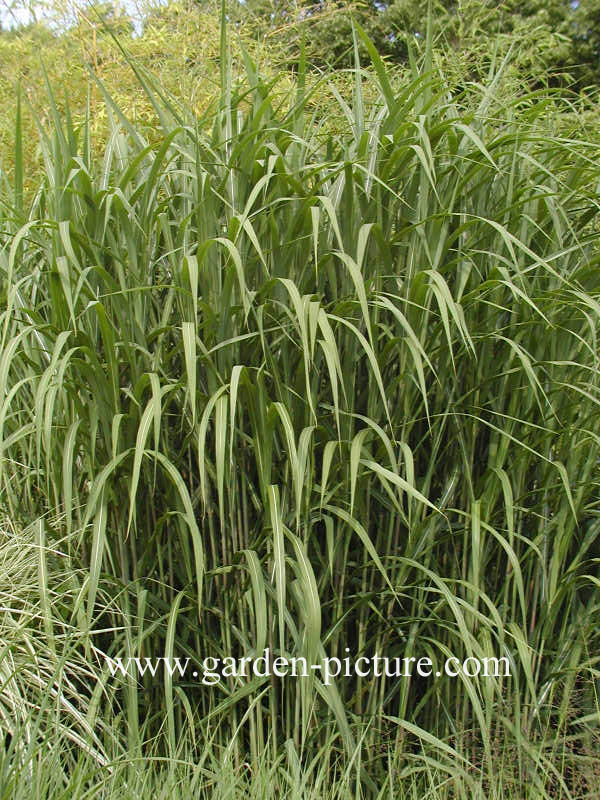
[[262, 386]]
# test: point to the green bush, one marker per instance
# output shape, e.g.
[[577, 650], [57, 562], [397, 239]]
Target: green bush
[[274, 387]]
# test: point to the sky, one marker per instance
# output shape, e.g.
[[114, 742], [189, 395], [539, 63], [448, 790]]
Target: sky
[[16, 12]]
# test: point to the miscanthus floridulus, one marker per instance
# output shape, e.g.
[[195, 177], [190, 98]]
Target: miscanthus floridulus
[[267, 386]]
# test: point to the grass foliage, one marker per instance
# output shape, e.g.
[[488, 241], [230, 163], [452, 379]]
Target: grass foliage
[[266, 386]]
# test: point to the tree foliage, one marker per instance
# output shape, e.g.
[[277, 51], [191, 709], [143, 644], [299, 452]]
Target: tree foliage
[[555, 40]]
